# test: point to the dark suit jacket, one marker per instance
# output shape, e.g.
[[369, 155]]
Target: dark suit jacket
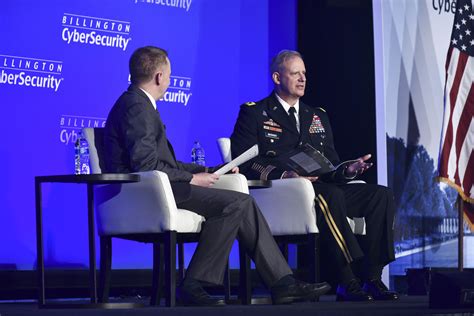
[[135, 140], [267, 124]]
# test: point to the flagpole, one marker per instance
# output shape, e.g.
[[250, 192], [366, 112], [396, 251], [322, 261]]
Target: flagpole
[[460, 235]]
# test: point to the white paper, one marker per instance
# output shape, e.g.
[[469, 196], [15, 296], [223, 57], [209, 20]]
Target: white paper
[[246, 156]]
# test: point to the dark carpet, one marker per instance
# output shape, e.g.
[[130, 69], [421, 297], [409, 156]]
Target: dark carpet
[[407, 305]]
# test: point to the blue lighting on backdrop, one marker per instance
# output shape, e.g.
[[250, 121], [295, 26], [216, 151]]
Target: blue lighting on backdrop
[[64, 63]]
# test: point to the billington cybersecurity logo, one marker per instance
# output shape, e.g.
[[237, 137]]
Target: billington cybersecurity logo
[[31, 72], [180, 4], [71, 126], [91, 30], [179, 90]]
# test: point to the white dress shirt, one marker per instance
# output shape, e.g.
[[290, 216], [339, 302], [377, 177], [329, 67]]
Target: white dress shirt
[[287, 107], [152, 100]]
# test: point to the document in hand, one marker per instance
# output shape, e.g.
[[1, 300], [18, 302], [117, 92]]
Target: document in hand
[[246, 156], [308, 161]]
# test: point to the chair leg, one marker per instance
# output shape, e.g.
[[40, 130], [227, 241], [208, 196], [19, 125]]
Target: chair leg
[[170, 268], [105, 267], [227, 282], [313, 258], [284, 249], [157, 282], [302, 256], [245, 284], [180, 262]]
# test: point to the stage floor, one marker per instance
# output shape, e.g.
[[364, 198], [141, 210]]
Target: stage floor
[[407, 305]]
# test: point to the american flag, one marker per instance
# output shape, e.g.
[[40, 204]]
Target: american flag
[[456, 161]]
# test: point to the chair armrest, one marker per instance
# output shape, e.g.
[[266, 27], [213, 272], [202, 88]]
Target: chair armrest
[[356, 181], [147, 206], [288, 206], [235, 182], [93, 154], [223, 144], [357, 225]]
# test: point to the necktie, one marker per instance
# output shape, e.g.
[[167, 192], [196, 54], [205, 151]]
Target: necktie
[[292, 112]]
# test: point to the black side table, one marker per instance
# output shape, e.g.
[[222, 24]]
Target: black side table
[[90, 180]]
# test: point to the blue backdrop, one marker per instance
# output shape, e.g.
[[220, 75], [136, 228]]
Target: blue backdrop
[[64, 63]]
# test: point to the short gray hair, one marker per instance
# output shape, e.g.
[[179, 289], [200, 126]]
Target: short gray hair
[[281, 57]]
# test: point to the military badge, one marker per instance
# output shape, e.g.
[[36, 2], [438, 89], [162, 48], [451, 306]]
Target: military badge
[[316, 125], [271, 125], [271, 128], [272, 135]]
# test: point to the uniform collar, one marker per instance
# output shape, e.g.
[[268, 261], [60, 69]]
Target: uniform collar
[[286, 106], [277, 112]]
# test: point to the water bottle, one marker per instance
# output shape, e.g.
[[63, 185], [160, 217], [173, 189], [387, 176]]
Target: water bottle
[[197, 154], [81, 155], [77, 158]]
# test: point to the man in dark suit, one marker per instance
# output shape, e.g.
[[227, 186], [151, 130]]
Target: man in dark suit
[[135, 140], [279, 124]]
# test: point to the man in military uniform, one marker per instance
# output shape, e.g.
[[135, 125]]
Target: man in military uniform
[[279, 124]]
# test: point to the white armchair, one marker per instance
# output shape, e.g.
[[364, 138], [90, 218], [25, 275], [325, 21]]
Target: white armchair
[[145, 211], [296, 194], [275, 202], [289, 208]]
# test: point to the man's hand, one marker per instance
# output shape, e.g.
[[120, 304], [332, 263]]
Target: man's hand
[[289, 174], [204, 179], [358, 167], [293, 174], [312, 179]]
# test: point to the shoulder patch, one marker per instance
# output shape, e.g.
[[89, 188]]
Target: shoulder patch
[[322, 109], [250, 103]]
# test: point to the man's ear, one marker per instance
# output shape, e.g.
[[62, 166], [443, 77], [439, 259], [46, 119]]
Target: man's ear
[[276, 78], [158, 77]]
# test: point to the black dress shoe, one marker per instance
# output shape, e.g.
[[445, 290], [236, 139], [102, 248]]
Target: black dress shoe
[[352, 292], [191, 293], [298, 292], [379, 291], [317, 289]]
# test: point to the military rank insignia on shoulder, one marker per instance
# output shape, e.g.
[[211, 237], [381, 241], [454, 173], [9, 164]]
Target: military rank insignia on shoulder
[[321, 109], [250, 103]]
